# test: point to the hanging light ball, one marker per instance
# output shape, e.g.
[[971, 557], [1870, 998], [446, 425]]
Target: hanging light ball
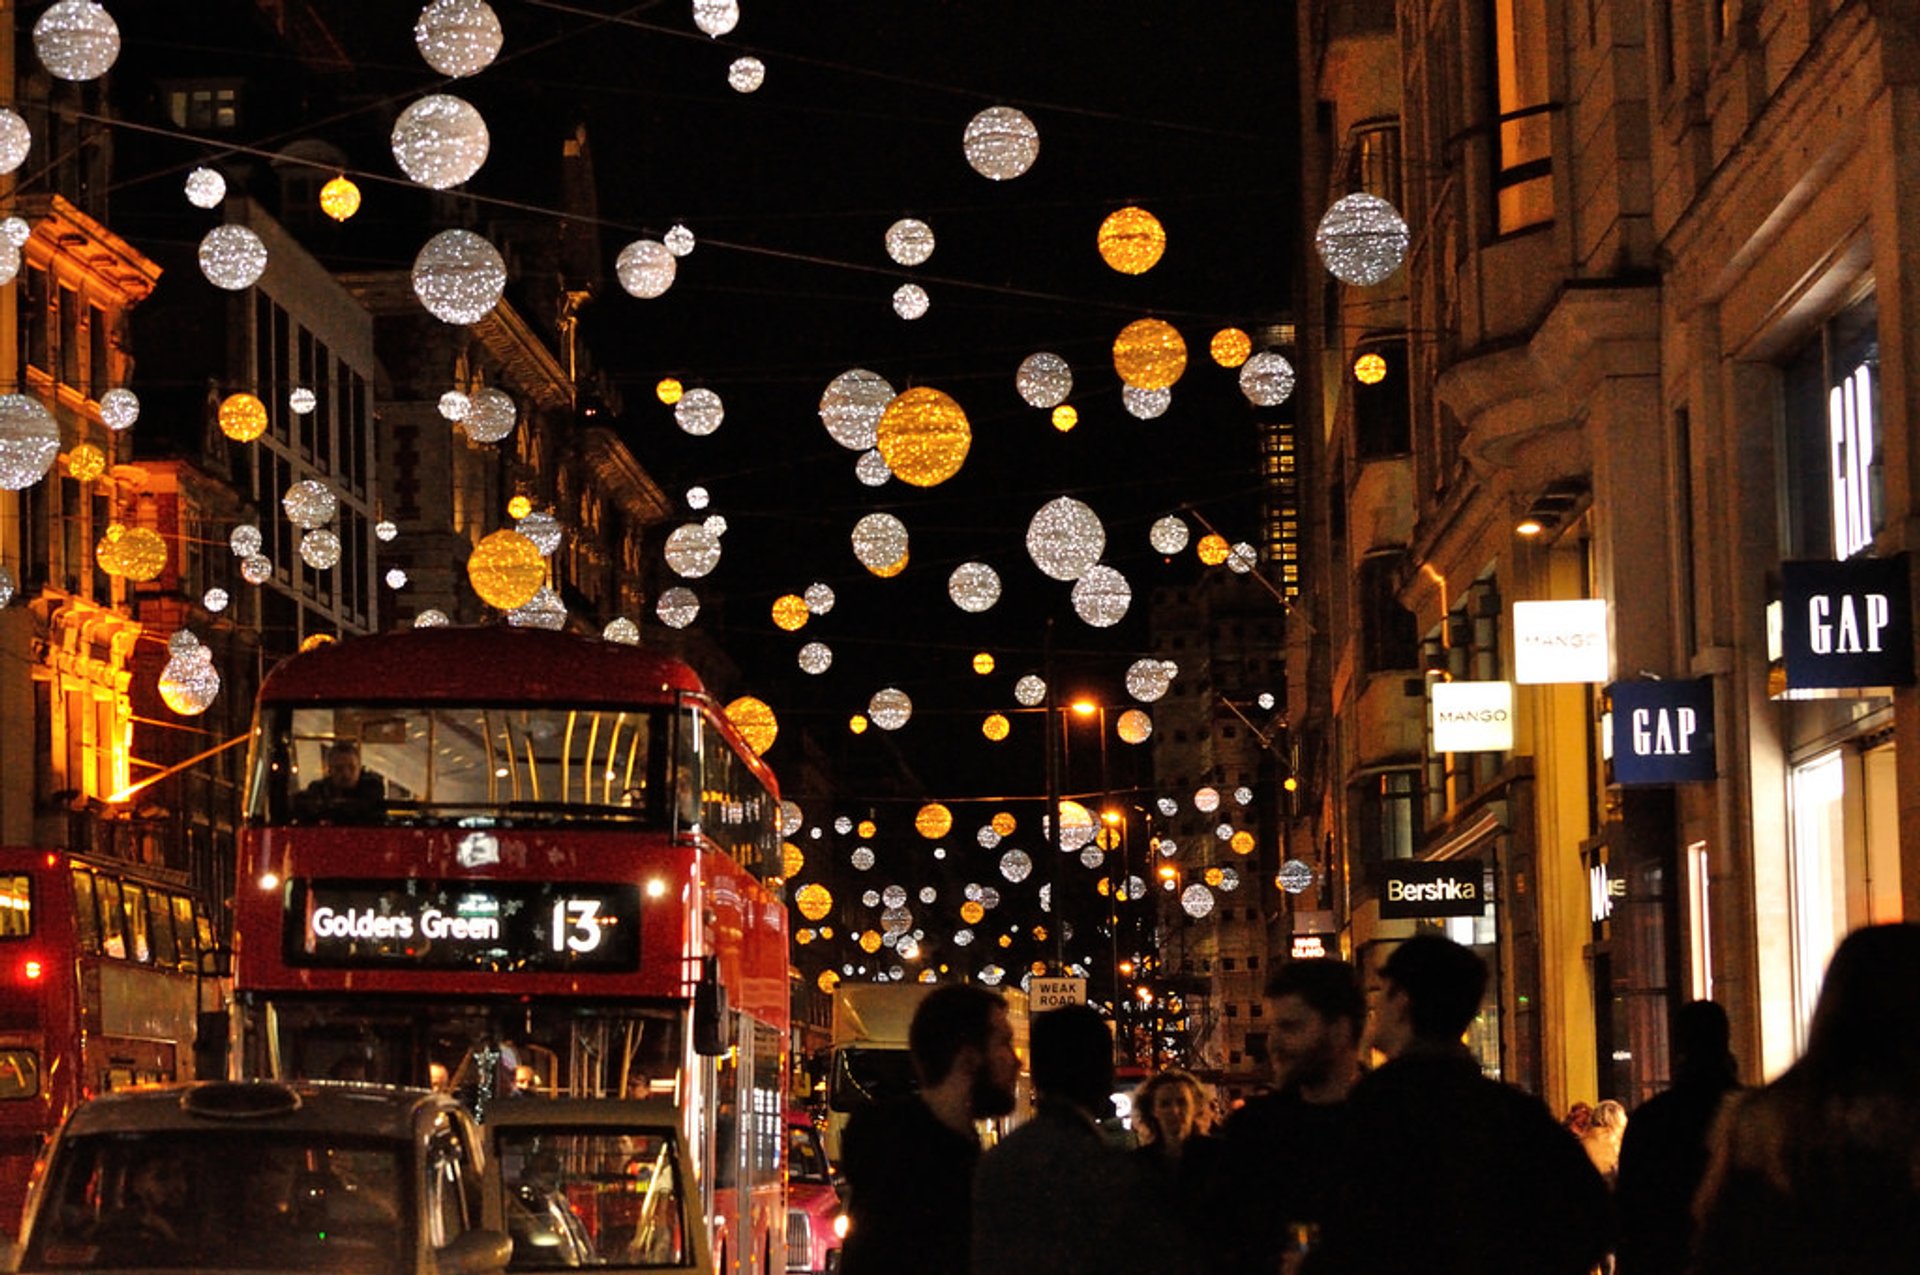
[[1065, 537], [459, 277], [232, 257], [678, 607], [1134, 727], [1242, 558], [996, 727], [242, 417], [880, 543], [16, 140], [256, 568], [1145, 405], [1000, 143], [491, 415], [910, 301], [543, 529], [699, 412], [1213, 549], [1243, 795], [1267, 379], [1101, 596], [1065, 417], [1241, 842], [746, 75], [755, 721], [1131, 240], [815, 658], [138, 553], [385, 531], [1370, 369], [889, 709], [933, 821], [1015, 865], [396, 578], [852, 406], [544, 610], [9, 261], [458, 38], [301, 401], [814, 901], [214, 600], [790, 612], [1196, 900], [15, 231], [1206, 799], [506, 570], [1076, 825], [692, 550], [1149, 354], [819, 598], [340, 198], [119, 409], [244, 540], [86, 463], [1361, 239], [310, 503], [76, 40], [862, 860], [678, 240], [205, 187], [1044, 380], [440, 141], [1230, 347], [909, 241], [716, 17], [983, 662], [519, 507], [872, 469], [320, 549], [646, 269], [454, 406], [669, 390], [791, 817], [924, 436], [1030, 690], [1148, 680], [622, 631], [974, 587], [189, 683]]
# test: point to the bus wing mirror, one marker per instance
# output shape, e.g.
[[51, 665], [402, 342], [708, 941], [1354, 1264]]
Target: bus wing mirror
[[710, 1018]]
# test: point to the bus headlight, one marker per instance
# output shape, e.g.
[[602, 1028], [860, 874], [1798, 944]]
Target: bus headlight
[[840, 1226]]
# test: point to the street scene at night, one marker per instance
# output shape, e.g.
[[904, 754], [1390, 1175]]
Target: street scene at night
[[959, 636]]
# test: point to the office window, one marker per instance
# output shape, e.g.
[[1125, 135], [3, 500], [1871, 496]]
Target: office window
[[1523, 141], [70, 346], [204, 108], [98, 371]]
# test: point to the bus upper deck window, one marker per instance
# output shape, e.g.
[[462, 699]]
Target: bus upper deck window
[[16, 906]]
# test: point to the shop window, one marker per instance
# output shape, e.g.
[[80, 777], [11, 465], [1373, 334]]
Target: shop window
[[209, 107], [1817, 876], [1523, 141], [1832, 464]]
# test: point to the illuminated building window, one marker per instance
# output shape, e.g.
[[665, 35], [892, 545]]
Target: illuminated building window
[[1523, 143], [205, 107]]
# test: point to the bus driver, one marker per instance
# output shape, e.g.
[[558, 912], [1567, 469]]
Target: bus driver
[[346, 782]]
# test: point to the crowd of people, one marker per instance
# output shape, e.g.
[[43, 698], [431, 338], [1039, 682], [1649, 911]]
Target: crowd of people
[[1419, 1164]]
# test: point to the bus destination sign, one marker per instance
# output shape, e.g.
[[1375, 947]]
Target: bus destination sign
[[501, 927]]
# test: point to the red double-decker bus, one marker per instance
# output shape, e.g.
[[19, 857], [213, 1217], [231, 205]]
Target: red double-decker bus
[[101, 984], [518, 863]]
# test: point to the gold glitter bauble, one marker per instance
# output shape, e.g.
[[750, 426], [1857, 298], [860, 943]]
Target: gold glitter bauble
[[1213, 549], [1149, 354], [755, 721], [86, 463], [923, 436], [933, 821], [243, 417], [340, 199], [814, 901], [791, 612], [1131, 240], [995, 727], [1230, 347], [506, 570]]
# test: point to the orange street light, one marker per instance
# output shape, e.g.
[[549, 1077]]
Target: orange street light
[[1085, 707]]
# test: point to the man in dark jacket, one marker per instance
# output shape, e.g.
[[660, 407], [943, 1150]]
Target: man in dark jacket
[[1664, 1154], [1446, 1172], [909, 1163]]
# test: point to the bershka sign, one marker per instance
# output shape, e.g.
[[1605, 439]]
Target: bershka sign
[[1847, 625], [1663, 732], [1415, 889], [1561, 642], [1471, 717]]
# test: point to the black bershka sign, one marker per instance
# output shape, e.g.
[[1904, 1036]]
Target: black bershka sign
[[1414, 889]]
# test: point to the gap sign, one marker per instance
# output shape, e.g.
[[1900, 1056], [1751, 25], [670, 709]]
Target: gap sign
[[1414, 889], [1663, 732], [1847, 625]]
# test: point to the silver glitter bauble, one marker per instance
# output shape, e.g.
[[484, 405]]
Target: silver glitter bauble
[[454, 406], [692, 551], [1001, 143], [910, 301], [852, 406], [29, 441], [974, 587], [621, 630], [746, 75], [1361, 239], [458, 37], [1242, 558], [1267, 379], [715, 523], [16, 140], [320, 549], [77, 40], [699, 412], [861, 858], [431, 618], [815, 658], [1196, 901], [1065, 537], [1015, 865], [872, 469], [244, 540], [491, 415], [385, 531], [880, 542], [440, 141], [301, 400], [544, 610], [396, 578], [819, 598], [309, 503], [215, 600], [205, 188], [459, 276], [543, 529], [698, 497], [232, 257], [1145, 405], [909, 241], [1044, 380], [889, 709], [256, 568], [189, 683], [716, 17], [1168, 535], [679, 241], [645, 268], [16, 231], [1148, 680], [1030, 690], [9, 261]]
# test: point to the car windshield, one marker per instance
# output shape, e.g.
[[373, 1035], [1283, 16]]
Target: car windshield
[[608, 1198], [223, 1199], [806, 1157], [361, 764]]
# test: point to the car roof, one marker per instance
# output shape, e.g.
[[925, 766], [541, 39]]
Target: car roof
[[611, 1113], [379, 1111]]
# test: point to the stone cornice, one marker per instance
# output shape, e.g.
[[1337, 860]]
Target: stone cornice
[[61, 231]]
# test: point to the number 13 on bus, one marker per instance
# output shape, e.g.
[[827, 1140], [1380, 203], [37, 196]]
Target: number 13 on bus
[[519, 864]]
